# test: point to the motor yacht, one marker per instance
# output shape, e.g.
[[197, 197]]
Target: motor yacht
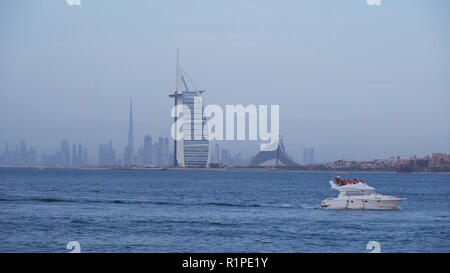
[[358, 195]]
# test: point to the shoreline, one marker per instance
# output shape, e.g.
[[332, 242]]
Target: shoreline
[[210, 169]]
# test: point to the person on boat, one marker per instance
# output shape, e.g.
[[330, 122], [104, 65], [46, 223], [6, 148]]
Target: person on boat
[[362, 181], [339, 181], [355, 181], [349, 182]]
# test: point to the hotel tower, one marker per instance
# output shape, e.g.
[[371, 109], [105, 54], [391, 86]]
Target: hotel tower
[[192, 150]]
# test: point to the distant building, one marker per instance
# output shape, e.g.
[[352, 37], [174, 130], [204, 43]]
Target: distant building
[[24, 155], [85, 157], [33, 156], [216, 154], [77, 155], [305, 156], [140, 156], [49, 159], [166, 152], [193, 149], [225, 157], [80, 155], [21, 155], [439, 160], [147, 156], [275, 157], [160, 151], [6, 156], [128, 154], [308, 156], [237, 160], [74, 154], [311, 156], [107, 154], [155, 152], [64, 158]]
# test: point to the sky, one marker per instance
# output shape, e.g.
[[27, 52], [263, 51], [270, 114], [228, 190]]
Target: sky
[[353, 81]]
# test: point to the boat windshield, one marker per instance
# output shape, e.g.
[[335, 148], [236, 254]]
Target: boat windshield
[[353, 193], [358, 193]]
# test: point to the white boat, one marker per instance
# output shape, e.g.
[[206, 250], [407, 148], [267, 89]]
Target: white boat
[[359, 196]]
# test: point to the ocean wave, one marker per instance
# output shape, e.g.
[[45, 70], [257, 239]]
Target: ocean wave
[[46, 200], [231, 205], [161, 203]]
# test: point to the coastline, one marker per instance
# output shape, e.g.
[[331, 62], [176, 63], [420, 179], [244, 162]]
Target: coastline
[[39, 167]]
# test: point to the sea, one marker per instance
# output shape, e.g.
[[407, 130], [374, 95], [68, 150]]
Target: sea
[[42, 210]]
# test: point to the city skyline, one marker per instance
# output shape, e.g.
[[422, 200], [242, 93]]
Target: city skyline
[[158, 155], [160, 152], [352, 81]]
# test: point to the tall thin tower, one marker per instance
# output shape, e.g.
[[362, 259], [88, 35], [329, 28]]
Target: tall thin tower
[[175, 96], [129, 150]]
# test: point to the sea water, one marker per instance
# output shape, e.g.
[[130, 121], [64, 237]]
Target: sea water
[[214, 211]]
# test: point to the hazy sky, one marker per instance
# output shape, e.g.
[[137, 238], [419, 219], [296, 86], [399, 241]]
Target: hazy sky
[[353, 81]]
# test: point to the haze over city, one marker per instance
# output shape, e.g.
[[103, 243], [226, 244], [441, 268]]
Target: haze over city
[[353, 81]]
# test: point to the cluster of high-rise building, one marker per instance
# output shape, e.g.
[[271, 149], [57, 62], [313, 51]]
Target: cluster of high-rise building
[[223, 157], [150, 154], [153, 153], [65, 156], [107, 155], [18, 155], [27, 156]]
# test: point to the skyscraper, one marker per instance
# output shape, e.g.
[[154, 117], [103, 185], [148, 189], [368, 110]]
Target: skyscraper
[[80, 155], [166, 151], [161, 151], [192, 150], [74, 154], [148, 149], [129, 154], [216, 157], [311, 156], [23, 153], [65, 153], [308, 156], [155, 152], [106, 154], [85, 157], [225, 157]]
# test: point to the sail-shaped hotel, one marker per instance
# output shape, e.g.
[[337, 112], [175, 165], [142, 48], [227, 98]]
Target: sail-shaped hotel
[[192, 150]]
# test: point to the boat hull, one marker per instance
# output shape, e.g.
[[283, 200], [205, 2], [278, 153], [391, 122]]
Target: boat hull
[[341, 203]]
